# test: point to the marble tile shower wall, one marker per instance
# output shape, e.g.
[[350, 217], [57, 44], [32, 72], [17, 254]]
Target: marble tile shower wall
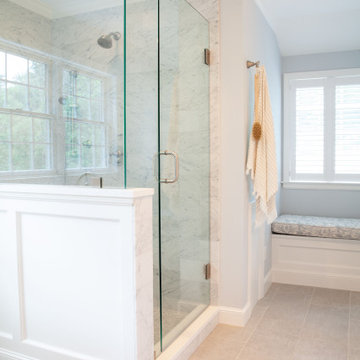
[[24, 27], [185, 130], [73, 39], [210, 9]]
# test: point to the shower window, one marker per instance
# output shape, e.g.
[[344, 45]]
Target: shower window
[[25, 122], [85, 128]]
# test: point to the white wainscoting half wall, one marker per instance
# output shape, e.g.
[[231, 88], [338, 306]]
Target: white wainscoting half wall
[[75, 273], [320, 262]]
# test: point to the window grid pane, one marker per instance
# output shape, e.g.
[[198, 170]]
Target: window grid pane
[[23, 83], [309, 130], [85, 145], [25, 140], [347, 150], [83, 96], [83, 116]]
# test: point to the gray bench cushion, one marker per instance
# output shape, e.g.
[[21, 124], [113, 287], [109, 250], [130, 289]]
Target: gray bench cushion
[[335, 228]]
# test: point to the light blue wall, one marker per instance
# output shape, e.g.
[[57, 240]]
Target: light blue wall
[[245, 35], [338, 203], [326, 61], [260, 44]]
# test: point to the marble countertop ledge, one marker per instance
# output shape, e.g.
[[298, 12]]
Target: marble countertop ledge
[[74, 193]]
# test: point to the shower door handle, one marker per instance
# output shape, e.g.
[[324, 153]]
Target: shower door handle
[[176, 163]]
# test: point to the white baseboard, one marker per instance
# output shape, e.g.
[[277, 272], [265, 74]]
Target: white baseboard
[[10, 355], [186, 344], [235, 316], [330, 281], [267, 282]]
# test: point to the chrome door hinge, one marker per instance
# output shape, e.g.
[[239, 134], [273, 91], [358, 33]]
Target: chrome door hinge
[[207, 271], [207, 56]]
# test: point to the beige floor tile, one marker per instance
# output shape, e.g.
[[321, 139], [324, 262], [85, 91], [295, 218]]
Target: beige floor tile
[[255, 319], [269, 296], [327, 323], [282, 321], [225, 342], [354, 354], [270, 347], [293, 296], [292, 323], [332, 298], [310, 348], [285, 288], [286, 313], [355, 305], [354, 334]]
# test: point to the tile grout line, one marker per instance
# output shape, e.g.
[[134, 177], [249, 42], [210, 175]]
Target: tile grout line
[[303, 323], [255, 327], [349, 329]]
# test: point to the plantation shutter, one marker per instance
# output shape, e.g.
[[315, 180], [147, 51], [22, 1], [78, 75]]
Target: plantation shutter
[[347, 129], [322, 127]]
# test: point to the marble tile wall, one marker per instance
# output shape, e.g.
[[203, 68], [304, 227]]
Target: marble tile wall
[[24, 27], [210, 9], [75, 38]]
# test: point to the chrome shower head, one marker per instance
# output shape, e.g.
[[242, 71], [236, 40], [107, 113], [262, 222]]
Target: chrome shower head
[[106, 41]]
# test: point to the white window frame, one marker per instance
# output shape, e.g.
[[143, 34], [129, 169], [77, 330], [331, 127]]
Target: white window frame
[[34, 56], [327, 180], [55, 66]]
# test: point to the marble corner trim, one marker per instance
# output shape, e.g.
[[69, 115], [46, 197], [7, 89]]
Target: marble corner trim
[[144, 278], [186, 344], [73, 193]]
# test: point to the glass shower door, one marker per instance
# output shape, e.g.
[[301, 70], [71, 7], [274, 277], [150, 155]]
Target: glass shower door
[[184, 166]]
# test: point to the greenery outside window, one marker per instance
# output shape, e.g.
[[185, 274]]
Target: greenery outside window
[[25, 122], [83, 114]]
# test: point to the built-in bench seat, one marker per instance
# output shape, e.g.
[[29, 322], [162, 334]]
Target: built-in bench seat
[[316, 251], [315, 226]]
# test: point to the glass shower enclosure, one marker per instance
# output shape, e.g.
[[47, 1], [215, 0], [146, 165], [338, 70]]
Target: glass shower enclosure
[[167, 148], [116, 94]]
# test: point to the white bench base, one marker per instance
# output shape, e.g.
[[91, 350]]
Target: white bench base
[[320, 262]]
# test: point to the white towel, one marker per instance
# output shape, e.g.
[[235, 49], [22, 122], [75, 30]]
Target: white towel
[[261, 162]]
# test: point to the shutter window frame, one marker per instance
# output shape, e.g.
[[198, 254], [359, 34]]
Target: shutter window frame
[[329, 80]]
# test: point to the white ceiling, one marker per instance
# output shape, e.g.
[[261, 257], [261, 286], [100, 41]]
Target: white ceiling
[[313, 26]]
